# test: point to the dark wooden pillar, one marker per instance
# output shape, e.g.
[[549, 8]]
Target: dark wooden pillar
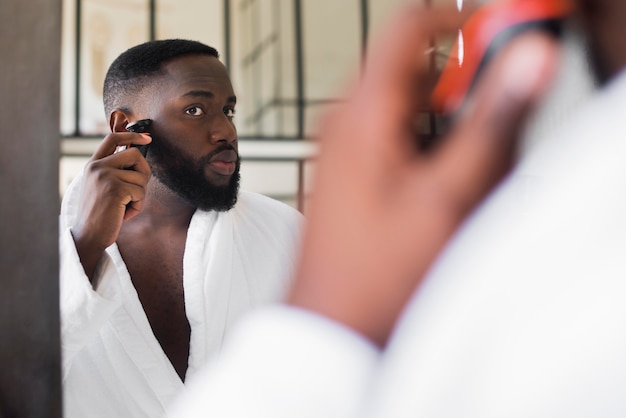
[[29, 157]]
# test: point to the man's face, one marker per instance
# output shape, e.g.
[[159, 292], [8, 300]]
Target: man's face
[[194, 141], [185, 175]]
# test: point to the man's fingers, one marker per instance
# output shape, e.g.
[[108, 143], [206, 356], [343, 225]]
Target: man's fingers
[[135, 203], [403, 49], [130, 160], [127, 192], [119, 187], [134, 178], [115, 181], [109, 144], [482, 144], [392, 84]]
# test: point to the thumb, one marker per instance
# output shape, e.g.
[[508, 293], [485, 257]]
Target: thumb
[[482, 144]]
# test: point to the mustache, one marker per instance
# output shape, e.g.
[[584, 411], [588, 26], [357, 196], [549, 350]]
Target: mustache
[[221, 148]]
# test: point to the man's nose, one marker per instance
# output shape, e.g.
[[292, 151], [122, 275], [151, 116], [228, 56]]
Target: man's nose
[[223, 129]]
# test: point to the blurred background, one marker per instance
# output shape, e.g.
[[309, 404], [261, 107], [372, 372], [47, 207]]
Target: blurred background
[[289, 60]]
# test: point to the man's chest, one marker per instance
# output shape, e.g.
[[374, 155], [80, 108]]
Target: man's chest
[[156, 271]]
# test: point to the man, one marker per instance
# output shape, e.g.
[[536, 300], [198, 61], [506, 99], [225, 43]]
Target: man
[[521, 314], [161, 254]]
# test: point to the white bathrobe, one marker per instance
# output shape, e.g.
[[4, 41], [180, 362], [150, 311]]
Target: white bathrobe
[[113, 366]]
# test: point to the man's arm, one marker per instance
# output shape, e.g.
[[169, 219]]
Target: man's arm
[[92, 213], [113, 189]]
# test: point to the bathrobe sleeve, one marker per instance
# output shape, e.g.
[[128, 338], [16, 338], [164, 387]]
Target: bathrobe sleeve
[[84, 309]]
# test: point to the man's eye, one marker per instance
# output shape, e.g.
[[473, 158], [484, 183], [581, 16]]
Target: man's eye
[[195, 111], [230, 113]]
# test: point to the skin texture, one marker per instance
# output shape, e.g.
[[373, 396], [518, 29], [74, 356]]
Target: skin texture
[[382, 211], [603, 22], [122, 202]]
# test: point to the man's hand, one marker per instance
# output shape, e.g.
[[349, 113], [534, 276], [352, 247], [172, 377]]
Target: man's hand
[[382, 211], [114, 187]]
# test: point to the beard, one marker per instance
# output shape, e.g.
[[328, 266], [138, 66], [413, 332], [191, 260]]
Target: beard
[[185, 175]]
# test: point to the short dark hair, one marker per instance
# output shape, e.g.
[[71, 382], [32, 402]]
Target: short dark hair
[[136, 67]]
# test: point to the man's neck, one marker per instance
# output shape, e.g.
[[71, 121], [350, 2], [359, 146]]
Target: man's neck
[[164, 208]]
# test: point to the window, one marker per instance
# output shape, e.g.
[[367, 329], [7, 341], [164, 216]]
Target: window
[[288, 58]]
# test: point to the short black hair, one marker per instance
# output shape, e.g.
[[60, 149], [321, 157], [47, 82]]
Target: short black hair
[[134, 68]]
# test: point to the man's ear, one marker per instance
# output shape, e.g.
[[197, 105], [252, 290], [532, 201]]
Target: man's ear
[[118, 120]]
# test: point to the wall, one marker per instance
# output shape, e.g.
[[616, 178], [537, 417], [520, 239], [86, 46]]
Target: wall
[[30, 371]]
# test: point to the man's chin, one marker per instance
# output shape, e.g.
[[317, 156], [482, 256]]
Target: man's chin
[[214, 205], [220, 198], [199, 186]]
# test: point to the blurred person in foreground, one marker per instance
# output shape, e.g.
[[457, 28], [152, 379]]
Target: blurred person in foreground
[[433, 285]]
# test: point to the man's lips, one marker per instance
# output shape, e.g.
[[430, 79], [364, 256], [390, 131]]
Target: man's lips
[[224, 162]]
